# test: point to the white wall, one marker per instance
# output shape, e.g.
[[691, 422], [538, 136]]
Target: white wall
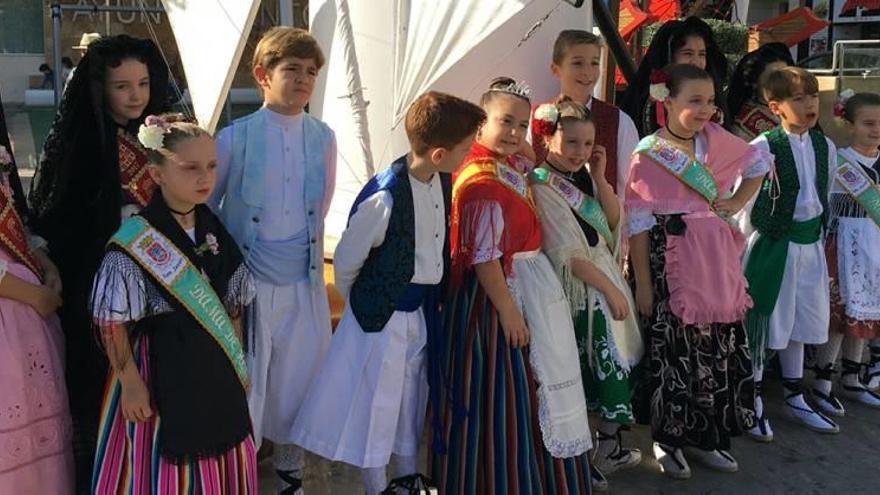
[[14, 72]]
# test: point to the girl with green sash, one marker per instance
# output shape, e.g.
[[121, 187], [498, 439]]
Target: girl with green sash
[[853, 259], [168, 299], [689, 287], [580, 218]]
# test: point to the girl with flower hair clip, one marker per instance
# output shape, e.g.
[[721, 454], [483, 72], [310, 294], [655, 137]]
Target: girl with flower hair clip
[[168, 300], [580, 227], [689, 288], [514, 416], [853, 259]]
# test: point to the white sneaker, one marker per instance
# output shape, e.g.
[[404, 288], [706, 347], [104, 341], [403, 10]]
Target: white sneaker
[[597, 480], [672, 461], [809, 417], [828, 403], [719, 460], [761, 432]]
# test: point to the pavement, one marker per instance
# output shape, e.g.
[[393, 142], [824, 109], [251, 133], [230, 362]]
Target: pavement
[[798, 461]]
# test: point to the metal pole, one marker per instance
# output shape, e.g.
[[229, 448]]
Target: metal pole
[[285, 12], [56, 51], [608, 27]]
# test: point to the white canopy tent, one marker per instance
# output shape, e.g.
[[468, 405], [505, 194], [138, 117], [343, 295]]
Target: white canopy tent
[[382, 54]]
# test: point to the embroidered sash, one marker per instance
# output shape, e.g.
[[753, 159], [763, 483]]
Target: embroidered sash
[[585, 207], [133, 176], [688, 170], [12, 232], [858, 185], [159, 257], [501, 173]]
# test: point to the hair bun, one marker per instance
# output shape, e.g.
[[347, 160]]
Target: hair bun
[[501, 82]]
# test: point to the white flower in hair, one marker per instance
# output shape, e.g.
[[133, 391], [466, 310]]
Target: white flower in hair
[[151, 137], [547, 112], [846, 95]]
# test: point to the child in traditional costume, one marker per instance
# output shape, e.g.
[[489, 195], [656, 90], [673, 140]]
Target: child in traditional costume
[[580, 230], [853, 255], [36, 455], [685, 258], [785, 260], [168, 300], [369, 397], [92, 175], [685, 41], [514, 418], [576, 63], [276, 172], [751, 115]]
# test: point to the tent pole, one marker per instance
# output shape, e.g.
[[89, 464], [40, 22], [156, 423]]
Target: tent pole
[[56, 51], [285, 12], [608, 28]]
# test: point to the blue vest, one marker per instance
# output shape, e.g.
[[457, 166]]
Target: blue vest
[[244, 198], [385, 276]]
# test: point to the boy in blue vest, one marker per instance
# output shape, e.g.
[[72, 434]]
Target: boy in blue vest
[[369, 398], [276, 170], [785, 259]]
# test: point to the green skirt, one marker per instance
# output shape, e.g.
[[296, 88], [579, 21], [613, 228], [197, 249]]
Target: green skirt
[[607, 385]]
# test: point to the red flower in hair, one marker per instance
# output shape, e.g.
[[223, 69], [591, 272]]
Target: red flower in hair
[[659, 76], [543, 128], [838, 109]]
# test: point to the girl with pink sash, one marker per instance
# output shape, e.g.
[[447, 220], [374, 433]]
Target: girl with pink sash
[[690, 291]]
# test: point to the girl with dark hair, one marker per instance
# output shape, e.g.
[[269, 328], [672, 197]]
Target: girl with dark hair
[[35, 456], [699, 381], [508, 329], [686, 41], [92, 174], [751, 116]]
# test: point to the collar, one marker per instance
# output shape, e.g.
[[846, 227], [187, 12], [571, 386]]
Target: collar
[[283, 121], [863, 159], [802, 138]]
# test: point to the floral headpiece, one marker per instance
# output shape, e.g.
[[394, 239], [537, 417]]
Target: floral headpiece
[[520, 89], [546, 119], [659, 92], [152, 132], [839, 108]]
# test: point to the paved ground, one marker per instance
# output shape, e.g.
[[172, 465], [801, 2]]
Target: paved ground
[[799, 461]]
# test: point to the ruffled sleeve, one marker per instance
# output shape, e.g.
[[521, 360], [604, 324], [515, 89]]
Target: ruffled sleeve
[[119, 293], [241, 289], [485, 238]]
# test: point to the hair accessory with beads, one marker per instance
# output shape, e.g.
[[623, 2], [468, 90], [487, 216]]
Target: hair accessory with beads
[[520, 89], [152, 132], [546, 119], [839, 108]]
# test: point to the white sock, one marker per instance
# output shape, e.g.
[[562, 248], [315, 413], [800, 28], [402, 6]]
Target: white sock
[[404, 465], [828, 352], [375, 480], [853, 349], [289, 458], [792, 360], [759, 406]]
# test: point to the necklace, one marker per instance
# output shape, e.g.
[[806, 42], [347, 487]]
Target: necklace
[[676, 136], [182, 213], [567, 175]]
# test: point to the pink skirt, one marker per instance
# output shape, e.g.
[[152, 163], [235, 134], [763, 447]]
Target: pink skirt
[[35, 428]]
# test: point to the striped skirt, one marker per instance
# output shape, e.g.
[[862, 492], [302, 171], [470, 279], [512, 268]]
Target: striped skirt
[[128, 461], [487, 424]]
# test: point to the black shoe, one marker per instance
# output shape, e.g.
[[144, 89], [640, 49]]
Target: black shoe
[[295, 484], [413, 484]]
